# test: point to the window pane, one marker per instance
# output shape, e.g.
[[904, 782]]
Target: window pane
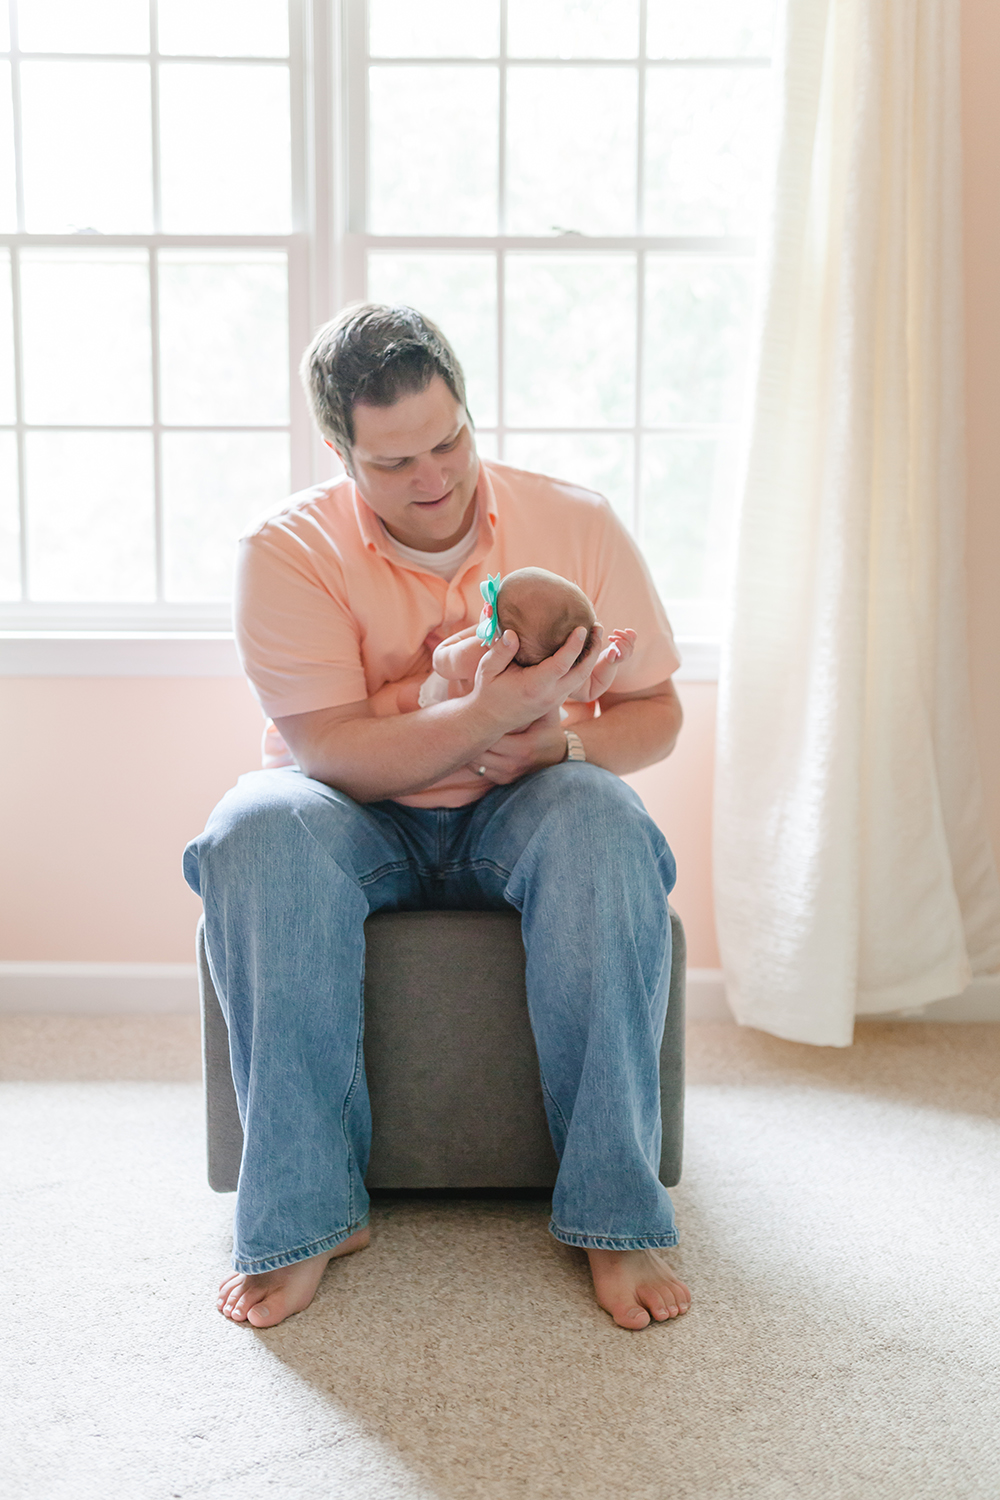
[[697, 314], [571, 150], [7, 405], [10, 561], [226, 149], [214, 485], [486, 444], [69, 26], [433, 150], [570, 345], [459, 294], [8, 195], [85, 321], [434, 28], [712, 28], [602, 461], [90, 515], [87, 153], [4, 29], [223, 28], [223, 337], [573, 28], [707, 134], [688, 492]]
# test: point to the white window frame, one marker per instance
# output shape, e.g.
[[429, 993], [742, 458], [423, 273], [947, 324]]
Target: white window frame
[[698, 624], [310, 299], [327, 257]]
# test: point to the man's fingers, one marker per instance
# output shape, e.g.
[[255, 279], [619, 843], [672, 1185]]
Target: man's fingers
[[568, 652], [499, 656], [572, 649]]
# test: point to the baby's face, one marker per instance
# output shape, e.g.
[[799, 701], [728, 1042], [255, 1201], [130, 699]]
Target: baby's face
[[543, 609]]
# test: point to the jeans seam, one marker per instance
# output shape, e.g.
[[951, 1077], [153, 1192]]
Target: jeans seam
[[300, 1252], [387, 869], [552, 1100], [358, 1069], [614, 1241]]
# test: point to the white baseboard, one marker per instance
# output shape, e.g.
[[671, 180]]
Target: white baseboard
[[706, 996], [706, 1001], [97, 989], [86, 989]]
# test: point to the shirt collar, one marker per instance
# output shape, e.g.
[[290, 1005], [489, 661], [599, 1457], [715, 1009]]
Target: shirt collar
[[374, 537]]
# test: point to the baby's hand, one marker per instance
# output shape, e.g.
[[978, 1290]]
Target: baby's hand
[[621, 644], [458, 655]]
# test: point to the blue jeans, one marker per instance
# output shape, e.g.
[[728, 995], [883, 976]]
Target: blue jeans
[[288, 870]]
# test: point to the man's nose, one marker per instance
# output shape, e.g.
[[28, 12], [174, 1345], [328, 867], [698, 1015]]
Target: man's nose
[[431, 476]]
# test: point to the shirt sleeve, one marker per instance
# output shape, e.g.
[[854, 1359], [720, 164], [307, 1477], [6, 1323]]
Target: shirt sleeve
[[299, 645], [624, 596]]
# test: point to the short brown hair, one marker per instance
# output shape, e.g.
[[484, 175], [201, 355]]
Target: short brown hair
[[373, 353]]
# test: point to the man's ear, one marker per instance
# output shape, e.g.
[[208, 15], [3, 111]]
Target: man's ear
[[344, 460]]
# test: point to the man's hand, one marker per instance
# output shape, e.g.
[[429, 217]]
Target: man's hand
[[541, 744], [544, 688], [371, 758], [515, 698]]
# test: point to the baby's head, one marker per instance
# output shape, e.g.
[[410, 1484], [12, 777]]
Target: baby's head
[[543, 609]]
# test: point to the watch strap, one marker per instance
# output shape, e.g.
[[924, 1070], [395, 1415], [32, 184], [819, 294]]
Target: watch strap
[[574, 745]]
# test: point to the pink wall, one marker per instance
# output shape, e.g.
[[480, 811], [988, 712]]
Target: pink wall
[[104, 779]]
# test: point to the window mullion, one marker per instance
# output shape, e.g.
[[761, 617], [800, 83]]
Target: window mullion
[[501, 256], [15, 89], [640, 327], [501, 263], [502, 126], [154, 111], [298, 104], [640, 131], [22, 483], [640, 284], [358, 63], [154, 328]]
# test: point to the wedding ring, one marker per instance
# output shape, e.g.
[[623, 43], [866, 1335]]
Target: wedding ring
[[480, 770]]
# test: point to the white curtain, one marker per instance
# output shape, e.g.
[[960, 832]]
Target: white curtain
[[853, 871]]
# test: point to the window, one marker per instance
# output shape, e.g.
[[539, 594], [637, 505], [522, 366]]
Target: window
[[151, 226], [570, 187], [582, 227]]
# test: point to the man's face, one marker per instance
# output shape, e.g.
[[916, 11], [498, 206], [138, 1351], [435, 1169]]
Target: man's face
[[415, 463]]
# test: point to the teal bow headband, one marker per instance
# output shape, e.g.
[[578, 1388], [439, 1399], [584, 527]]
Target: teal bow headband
[[487, 629]]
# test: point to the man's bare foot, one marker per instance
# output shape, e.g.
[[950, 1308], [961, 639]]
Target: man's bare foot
[[633, 1285], [269, 1297]]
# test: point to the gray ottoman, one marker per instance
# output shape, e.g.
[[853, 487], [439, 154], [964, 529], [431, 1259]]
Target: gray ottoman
[[450, 1058]]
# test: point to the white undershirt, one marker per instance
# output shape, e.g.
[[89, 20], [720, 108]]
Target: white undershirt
[[444, 564]]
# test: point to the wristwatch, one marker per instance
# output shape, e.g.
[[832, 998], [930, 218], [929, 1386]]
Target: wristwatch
[[574, 746]]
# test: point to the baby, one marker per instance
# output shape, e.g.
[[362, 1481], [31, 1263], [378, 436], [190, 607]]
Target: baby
[[542, 609]]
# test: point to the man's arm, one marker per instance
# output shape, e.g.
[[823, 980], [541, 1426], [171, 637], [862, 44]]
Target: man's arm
[[370, 758], [634, 730]]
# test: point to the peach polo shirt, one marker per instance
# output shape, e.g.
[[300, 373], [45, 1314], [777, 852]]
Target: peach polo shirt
[[327, 614]]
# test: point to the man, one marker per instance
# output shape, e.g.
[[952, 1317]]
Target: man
[[481, 801]]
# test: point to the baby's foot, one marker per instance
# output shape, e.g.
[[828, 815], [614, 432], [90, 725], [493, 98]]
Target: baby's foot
[[633, 1285], [269, 1297]]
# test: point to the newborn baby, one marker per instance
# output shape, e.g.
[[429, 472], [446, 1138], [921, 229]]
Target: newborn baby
[[542, 609]]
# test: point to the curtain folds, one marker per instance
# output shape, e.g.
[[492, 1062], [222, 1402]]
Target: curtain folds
[[853, 870]]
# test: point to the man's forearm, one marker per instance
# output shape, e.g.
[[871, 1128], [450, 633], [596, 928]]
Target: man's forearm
[[371, 758], [632, 734]]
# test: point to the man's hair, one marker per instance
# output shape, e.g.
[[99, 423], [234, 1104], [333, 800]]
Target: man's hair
[[374, 354]]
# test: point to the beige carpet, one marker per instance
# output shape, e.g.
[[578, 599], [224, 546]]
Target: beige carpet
[[840, 1214]]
